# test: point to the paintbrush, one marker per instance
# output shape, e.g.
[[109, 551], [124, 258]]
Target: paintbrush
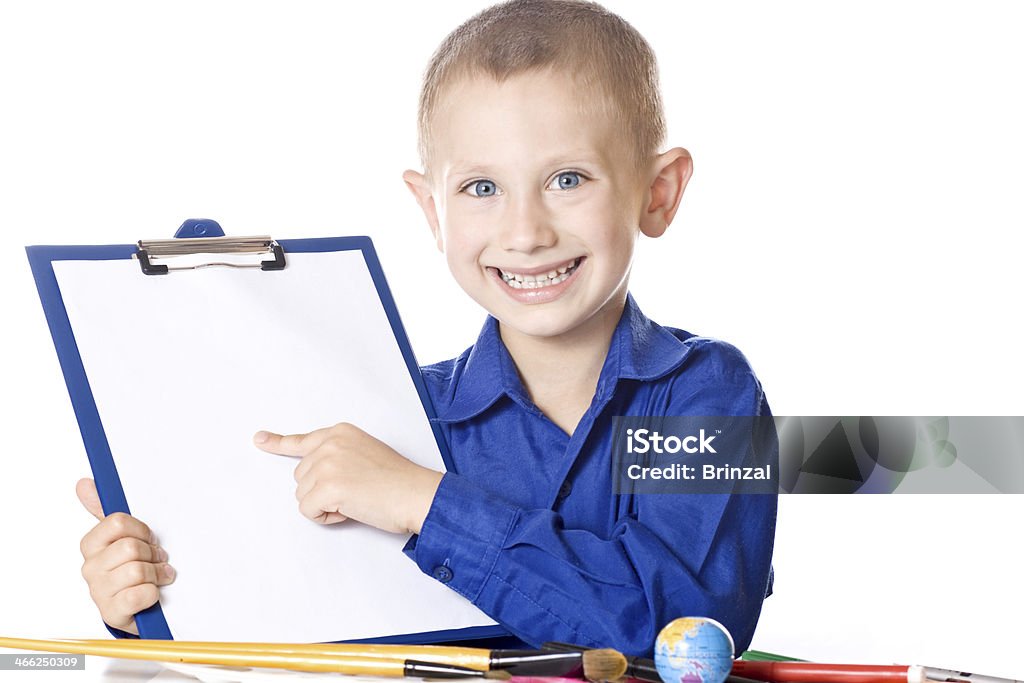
[[636, 667], [593, 664]]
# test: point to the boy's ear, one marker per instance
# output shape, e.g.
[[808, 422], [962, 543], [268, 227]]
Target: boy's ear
[[671, 170], [420, 188]]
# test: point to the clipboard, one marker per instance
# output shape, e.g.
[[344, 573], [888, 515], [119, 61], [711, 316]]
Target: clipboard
[[200, 245]]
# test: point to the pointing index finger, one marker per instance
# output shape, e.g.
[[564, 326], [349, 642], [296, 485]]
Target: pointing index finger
[[296, 445]]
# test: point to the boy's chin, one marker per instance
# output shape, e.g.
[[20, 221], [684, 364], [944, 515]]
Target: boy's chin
[[568, 318], [538, 324]]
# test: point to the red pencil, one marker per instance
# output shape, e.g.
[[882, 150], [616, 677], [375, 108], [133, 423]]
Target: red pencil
[[812, 672]]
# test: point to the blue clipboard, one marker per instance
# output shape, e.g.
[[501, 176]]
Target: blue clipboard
[[151, 621]]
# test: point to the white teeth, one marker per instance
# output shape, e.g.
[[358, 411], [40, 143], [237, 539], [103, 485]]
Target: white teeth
[[553, 277]]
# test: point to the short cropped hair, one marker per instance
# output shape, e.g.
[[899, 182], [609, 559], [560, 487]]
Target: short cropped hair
[[600, 50]]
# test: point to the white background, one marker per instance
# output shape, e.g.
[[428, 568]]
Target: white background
[[853, 225]]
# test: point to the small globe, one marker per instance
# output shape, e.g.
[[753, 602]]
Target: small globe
[[694, 650]]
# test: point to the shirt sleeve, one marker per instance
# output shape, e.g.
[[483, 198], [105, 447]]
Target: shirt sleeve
[[671, 556], [118, 633]]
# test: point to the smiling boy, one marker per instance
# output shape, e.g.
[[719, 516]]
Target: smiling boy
[[540, 125]]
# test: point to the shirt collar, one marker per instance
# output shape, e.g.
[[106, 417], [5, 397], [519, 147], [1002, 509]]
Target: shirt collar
[[640, 349]]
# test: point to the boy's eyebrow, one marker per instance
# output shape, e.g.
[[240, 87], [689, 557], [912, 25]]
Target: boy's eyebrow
[[466, 168], [586, 155], [567, 158]]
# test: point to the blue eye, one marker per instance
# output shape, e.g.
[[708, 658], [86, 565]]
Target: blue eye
[[566, 180], [481, 188]]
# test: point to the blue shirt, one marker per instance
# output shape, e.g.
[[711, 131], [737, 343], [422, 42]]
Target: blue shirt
[[529, 530]]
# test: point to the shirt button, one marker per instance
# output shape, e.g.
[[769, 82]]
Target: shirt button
[[565, 489], [443, 574]]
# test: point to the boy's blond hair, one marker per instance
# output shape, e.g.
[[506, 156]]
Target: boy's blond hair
[[598, 49]]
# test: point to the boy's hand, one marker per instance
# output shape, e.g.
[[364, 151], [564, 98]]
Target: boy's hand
[[345, 472], [123, 566]]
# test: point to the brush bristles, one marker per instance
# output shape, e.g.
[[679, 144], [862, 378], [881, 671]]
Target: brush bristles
[[497, 675], [604, 665]]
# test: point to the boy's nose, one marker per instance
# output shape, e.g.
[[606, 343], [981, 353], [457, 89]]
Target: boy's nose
[[526, 226]]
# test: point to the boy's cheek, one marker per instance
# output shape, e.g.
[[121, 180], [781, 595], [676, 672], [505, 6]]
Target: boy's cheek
[[460, 241]]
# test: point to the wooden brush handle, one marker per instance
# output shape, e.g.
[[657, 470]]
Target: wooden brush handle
[[470, 658], [158, 651]]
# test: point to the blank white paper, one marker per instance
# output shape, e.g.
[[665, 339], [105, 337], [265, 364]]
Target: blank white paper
[[185, 368]]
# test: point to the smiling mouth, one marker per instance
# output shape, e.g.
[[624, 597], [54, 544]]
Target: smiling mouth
[[540, 280]]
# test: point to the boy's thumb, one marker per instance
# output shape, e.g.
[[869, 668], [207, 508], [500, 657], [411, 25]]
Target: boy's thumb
[[86, 490]]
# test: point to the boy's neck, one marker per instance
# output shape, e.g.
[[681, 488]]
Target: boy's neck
[[560, 373]]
